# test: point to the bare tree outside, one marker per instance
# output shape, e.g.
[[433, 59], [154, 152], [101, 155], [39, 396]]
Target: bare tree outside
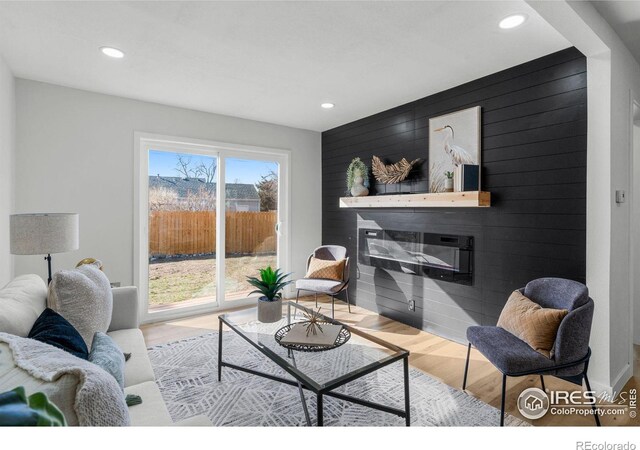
[[207, 172], [163, 199], [268, 191], [204, 199], [183, 167]]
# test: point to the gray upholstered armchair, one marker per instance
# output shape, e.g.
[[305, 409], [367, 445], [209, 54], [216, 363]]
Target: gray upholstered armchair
[[513, 357], [325, 286]]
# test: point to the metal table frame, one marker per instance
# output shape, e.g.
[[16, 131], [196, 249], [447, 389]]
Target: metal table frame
[[303, 382]]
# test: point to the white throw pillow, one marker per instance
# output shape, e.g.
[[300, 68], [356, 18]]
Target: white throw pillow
[[21, 303], [83, 297]]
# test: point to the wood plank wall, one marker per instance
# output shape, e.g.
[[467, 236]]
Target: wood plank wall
[[534, 149]]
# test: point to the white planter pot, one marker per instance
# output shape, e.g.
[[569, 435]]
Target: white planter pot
[[269, 312], [358, 189], [448, 184]]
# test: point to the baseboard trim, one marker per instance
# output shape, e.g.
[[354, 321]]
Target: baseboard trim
[[623, 376]]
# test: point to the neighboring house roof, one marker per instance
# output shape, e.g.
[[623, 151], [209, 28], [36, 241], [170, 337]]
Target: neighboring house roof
[[234, 191]]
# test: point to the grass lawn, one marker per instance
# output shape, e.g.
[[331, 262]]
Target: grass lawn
[[179, 280]]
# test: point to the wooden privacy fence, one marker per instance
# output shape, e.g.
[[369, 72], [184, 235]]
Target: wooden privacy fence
[[194, 232]]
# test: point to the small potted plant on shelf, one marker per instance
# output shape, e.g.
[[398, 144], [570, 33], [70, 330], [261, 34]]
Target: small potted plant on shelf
[[448, 182], [358, 178], [270, 285]]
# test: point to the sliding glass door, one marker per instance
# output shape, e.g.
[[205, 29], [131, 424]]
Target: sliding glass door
[[182, 229], [210, 216], [251, 206]]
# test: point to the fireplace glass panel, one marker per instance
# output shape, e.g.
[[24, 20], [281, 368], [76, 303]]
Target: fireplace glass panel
[[438, 256]]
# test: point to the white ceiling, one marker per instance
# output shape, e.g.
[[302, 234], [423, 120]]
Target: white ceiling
[[624, 18], [270, 61]]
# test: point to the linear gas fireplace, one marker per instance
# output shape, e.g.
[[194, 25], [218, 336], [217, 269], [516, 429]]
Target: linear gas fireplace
[[441, 256]]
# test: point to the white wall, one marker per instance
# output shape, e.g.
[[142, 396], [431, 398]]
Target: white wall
[[612, 75], [635, 228], [75, 153], [7, 146]]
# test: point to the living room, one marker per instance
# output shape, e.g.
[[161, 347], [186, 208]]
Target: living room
[[357, 143]]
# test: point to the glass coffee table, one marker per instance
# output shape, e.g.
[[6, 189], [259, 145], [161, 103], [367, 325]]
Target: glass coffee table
[[361, 355]]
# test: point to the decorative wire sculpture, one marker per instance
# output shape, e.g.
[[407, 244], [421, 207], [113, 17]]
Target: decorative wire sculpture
[[312, 325]]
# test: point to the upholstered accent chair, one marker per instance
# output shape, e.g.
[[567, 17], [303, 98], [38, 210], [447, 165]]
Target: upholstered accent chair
[[331, 288], [570, 357]]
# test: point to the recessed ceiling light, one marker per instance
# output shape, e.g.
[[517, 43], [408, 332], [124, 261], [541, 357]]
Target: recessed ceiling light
[[512, 21], [327, 105], [112, 52]]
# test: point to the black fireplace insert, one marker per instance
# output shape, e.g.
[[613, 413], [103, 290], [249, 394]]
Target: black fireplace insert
[[442, 256]]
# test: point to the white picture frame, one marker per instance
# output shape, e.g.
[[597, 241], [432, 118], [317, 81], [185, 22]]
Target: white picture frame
[[454, 139]]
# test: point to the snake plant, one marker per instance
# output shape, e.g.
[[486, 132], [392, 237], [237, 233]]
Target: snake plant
[[270, 283]]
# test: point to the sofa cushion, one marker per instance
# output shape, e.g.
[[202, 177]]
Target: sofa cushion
[[152, 411], [326, 286], [83, 297], [106, 354], [53, 329], [61, 391], [532, 323], [21, 303], [138, 368], [505, 351]]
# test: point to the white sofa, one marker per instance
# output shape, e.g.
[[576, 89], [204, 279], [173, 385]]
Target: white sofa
[[25, 298]]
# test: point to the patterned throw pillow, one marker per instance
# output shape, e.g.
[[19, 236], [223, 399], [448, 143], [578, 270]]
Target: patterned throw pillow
[[530, 322], [328, 270]]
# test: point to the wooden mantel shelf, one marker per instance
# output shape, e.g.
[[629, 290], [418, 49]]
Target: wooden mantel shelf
[[468, 199]]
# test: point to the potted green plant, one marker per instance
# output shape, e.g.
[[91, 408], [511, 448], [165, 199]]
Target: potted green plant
[[16, 409], [358, 178], [270, 285], [448, 182]]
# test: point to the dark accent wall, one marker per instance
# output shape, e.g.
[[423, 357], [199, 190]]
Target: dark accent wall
[[534, 156]]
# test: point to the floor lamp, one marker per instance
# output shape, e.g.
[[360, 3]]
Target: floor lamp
[[44, 234]]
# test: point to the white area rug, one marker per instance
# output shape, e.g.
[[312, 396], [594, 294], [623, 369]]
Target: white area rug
[[186, 372]]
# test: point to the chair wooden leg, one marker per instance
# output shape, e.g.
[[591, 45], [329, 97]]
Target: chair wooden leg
[[297, 295], [346, 292], [504, 392], [595, 409], [466, 368], [333, 302], [316, 295], [542, 383]]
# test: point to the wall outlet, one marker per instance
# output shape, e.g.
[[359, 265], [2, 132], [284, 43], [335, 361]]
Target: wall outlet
[[621, 196], [115, 284], [412, 305]]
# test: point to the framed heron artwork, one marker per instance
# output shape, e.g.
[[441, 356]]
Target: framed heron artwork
[[454, 139]]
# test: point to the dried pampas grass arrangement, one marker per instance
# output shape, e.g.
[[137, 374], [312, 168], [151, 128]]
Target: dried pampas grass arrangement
[[392, 173]]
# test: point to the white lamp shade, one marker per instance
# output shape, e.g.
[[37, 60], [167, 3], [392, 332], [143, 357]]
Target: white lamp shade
[[41, 234]]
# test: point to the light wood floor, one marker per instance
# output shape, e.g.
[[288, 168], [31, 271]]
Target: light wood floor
[[438, 357]]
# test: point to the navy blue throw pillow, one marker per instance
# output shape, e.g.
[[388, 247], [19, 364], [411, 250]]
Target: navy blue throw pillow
[[53, 329]]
